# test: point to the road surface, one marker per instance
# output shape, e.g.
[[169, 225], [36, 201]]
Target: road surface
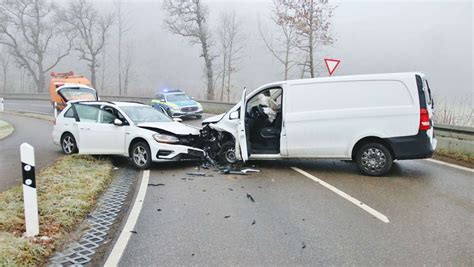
[[37, 133]]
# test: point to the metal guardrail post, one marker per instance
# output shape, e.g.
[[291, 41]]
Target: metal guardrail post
[[2, 107], [55, 106]]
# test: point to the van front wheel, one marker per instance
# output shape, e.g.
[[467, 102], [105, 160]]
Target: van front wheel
[[374, 159]]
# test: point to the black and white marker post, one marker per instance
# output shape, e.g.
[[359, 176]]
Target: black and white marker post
[[29, 189]]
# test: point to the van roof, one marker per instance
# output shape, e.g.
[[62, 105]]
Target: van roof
[[378, 76]]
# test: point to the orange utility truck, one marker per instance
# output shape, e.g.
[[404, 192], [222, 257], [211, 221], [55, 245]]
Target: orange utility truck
[[67, 86]]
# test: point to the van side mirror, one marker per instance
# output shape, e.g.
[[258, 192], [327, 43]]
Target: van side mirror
[[118, 122], [234, 115]]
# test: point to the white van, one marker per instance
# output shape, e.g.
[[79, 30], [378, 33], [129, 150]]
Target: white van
[[370, 119]]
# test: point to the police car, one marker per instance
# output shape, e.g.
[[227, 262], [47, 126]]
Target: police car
[[177, 104]]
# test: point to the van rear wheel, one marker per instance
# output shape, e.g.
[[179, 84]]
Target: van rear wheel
[[374, 159]]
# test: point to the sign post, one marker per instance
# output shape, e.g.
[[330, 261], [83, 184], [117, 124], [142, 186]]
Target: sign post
[[331, 64], [2, 108], [55, 106], [27, 154]]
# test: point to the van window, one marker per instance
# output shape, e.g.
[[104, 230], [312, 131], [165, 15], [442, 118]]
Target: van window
[[347, 95], [427, 90]]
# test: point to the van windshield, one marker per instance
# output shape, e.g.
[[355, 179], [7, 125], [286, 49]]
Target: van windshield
[[78, 93]]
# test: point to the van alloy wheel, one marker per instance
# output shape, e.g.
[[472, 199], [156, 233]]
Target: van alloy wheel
[[373, 160], [230, 155], [227, 154]]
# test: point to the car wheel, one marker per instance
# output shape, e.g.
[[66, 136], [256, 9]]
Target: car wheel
[[198, 117], [374, 159], [68, 144], [227, 154], [141, 155]]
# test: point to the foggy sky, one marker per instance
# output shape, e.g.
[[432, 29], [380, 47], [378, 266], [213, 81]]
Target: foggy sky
[[434, 37]]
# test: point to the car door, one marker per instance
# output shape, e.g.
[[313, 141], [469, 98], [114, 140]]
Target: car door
[[241, 131], [97, 133]]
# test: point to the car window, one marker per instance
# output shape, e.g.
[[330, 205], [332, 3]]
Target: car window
[[159, 96], [144, 113], [69, 113], [115, 113], [78, 93], [177, 97], [87, 113], [106, 117]]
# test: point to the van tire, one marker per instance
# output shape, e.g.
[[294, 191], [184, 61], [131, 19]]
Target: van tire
[[227, 154], [374, 159], [140, 154]]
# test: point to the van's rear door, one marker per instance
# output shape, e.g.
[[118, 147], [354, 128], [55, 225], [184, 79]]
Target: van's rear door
[[427, 103]]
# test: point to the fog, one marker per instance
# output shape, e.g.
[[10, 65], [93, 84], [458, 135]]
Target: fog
[[434, 37]]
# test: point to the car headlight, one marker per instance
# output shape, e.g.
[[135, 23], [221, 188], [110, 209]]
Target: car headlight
[[174, 108], [164, 138]]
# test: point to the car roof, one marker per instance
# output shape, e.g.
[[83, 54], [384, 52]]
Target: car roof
[[112, 103]]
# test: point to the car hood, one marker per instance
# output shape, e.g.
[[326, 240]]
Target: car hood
[[172, 127], [213, 119], [185, 103]]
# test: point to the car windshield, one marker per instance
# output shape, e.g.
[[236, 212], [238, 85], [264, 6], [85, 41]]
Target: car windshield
[[78, 93], [177, 97], [139, 114]]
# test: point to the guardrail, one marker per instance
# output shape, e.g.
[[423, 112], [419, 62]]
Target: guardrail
[[454, 139]]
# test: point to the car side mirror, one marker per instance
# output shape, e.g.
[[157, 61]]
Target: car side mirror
[[162, 100], [192, 97], [118, 122], [177, 119], [234, 115]]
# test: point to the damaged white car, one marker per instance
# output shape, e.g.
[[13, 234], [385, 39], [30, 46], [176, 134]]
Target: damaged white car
[[122, 128]]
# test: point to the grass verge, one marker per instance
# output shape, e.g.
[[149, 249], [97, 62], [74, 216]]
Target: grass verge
[[456, 158], [5, 129], [67, 192]]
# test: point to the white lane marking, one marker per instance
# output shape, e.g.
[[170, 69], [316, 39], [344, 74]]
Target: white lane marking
[[121, 244], [354, 201], [451, 165]]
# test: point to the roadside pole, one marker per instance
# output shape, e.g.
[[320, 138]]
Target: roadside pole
[[2, 108], [27, 154], [55, 106]]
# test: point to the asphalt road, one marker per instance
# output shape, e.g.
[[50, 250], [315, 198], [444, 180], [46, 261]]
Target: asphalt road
[[296, 221], [40, 106], [37, 133]]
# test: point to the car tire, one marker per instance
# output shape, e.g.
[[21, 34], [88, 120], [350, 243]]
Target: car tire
[[140, 154], [198, 117], [374, 159], [69, 144], [227, 154]]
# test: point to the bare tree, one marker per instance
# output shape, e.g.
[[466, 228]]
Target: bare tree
[[231, 26], [311, 20], [123, 27], [5, 64], [285, 50], [128, 73], [188, 18], [34, 36], [92, 29]]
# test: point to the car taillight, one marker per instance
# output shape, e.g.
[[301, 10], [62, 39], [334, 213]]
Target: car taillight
[[424, 120]]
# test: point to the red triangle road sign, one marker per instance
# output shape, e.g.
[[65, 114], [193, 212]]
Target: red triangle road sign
[[331, 64]]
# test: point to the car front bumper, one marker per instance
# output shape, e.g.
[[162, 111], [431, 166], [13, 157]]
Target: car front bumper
[[170, 152], [181, 114]]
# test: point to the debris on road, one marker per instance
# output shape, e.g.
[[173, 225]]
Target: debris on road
[[156, 184], [133, 232], [253, 222], [227, 216], [196, 174], [250, 197], [303, 245]]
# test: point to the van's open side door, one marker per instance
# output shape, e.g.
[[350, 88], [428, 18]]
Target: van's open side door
[[241, 133]]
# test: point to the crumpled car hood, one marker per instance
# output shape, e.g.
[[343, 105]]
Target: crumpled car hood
[[213, 119], [172, 127]]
